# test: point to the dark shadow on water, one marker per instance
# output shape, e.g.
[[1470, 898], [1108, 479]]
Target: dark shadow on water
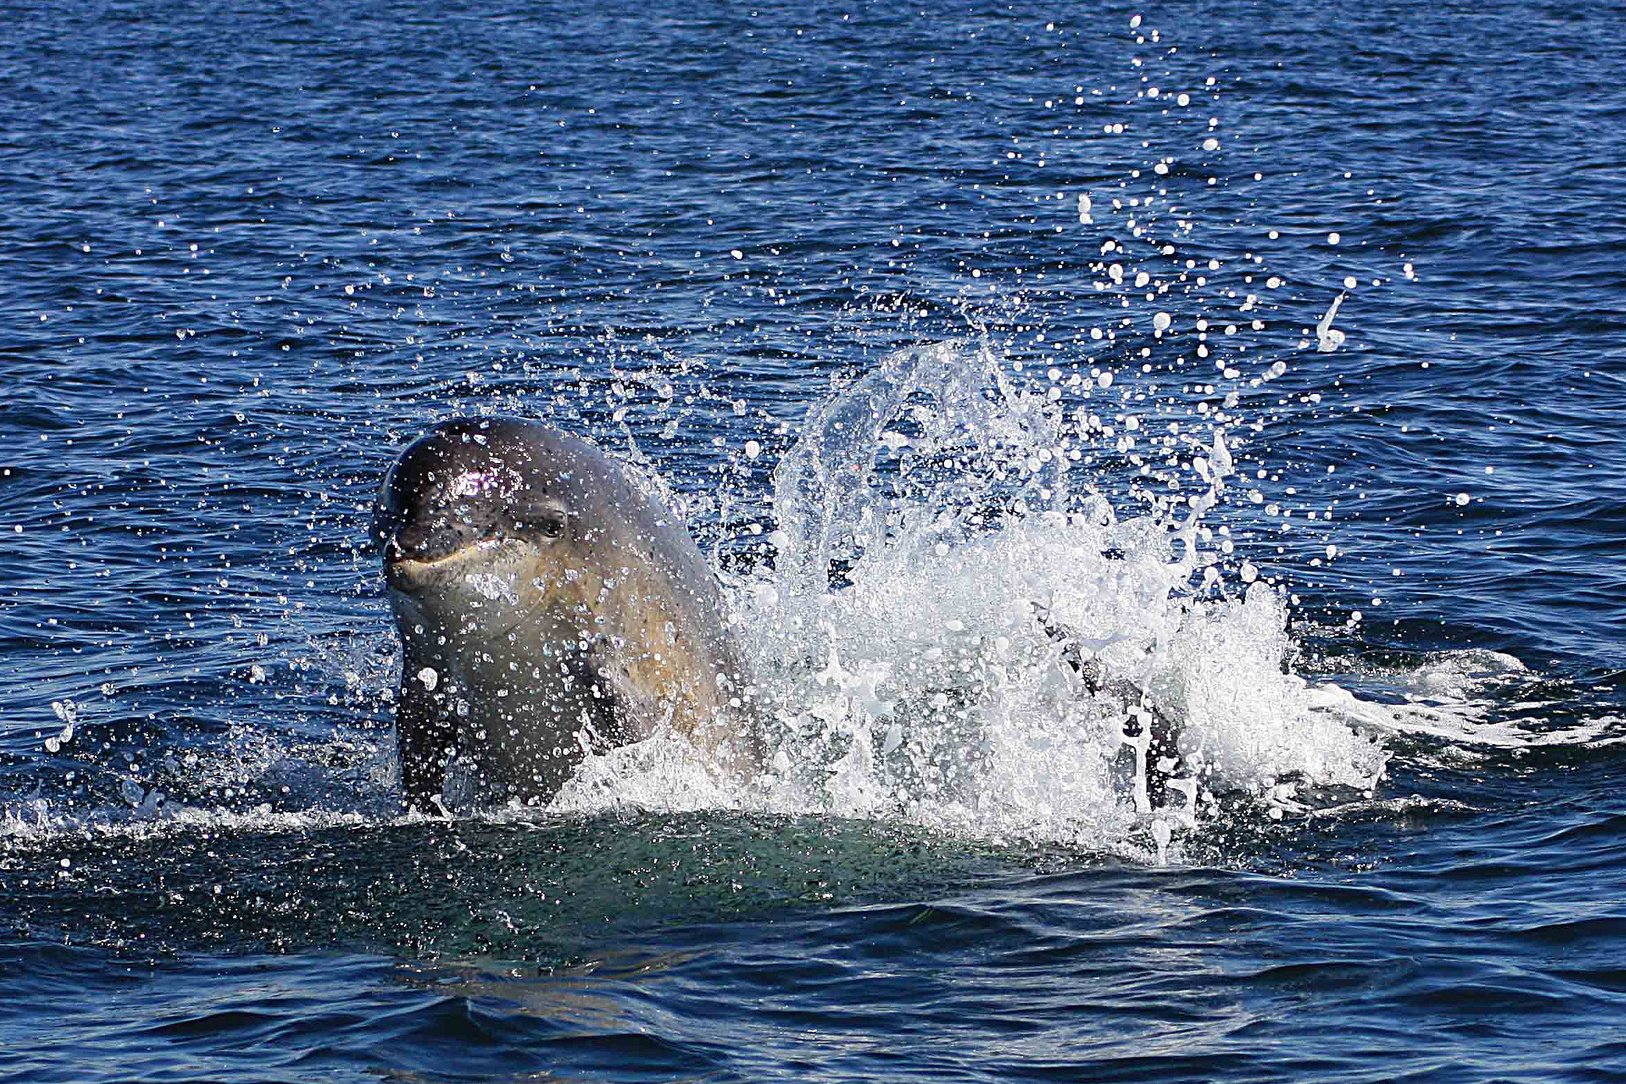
[[543, 892]]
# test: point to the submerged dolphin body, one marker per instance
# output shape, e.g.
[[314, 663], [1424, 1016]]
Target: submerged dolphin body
[[547, 607]]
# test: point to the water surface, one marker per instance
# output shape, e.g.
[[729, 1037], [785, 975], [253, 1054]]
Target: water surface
[[861, 288]]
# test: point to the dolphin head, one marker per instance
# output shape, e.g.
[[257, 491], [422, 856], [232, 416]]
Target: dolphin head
[[471, 495]]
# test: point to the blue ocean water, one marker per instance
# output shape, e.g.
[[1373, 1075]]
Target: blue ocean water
[[1274, 348]]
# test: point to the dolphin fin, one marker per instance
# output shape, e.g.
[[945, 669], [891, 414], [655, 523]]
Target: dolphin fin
[[421, 742], [1161, 744], [623, 710]]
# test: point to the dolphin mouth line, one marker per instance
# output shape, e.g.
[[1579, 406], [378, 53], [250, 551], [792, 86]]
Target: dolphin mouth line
[[405, 572]]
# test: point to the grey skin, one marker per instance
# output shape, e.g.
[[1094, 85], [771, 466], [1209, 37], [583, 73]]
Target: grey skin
[[546, 607]]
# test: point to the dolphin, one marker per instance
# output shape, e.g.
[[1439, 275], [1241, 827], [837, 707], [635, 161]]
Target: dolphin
[[547, 607]]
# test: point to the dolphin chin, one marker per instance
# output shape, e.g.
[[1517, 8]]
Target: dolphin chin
[[547, 607]]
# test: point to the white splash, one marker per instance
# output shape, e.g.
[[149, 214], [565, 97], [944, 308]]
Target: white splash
[[1473, 700], [1327, 337], [998, 626]]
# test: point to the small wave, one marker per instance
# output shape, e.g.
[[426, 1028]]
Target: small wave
[[32, 821], [1475, 699]]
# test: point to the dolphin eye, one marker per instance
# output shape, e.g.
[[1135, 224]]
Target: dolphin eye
[[545, 518]]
